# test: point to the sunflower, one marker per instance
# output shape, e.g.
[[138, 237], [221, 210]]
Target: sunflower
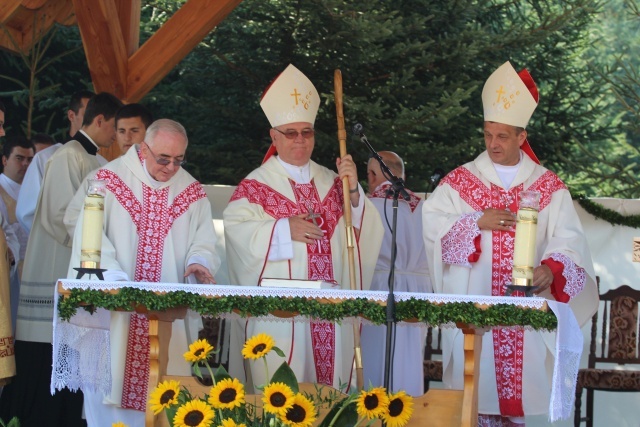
[[399, 410], [195, 413], [257, 346], [199, 350], [277, 398], [301, 414], [227, 394], [230, 423], [119, 424], [372, 403], [164, 396]]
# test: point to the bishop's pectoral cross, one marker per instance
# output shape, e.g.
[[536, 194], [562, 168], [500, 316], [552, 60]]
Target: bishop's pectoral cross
[[312, 215]]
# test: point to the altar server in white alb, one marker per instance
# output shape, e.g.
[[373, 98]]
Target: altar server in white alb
[[285, 220], [157, 228], [411, 275], [469, 226]]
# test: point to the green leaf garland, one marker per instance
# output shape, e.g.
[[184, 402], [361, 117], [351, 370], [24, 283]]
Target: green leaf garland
[[606, 214], [410, 310]]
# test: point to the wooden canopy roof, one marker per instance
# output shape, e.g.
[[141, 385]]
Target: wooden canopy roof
[[110, 31]]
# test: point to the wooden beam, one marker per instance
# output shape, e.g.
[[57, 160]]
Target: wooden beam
[[41, 20], [129, 18], [10, 38], [103, 45], [172, 42], [33, 4], [7, 9]]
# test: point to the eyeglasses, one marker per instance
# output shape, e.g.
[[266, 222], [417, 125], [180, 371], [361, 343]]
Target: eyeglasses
[[164, 161], [293, 134]]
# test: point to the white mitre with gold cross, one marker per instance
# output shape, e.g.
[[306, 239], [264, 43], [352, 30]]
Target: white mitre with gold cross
[[506, 99], [291, 98]]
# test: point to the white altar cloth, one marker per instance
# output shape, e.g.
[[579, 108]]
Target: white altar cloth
[[80, 346]]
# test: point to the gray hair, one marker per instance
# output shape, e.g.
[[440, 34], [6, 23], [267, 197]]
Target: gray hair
[[166, 125]]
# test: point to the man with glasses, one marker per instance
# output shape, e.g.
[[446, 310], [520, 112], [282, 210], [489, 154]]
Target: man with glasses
[[157, 228], [291, 211]]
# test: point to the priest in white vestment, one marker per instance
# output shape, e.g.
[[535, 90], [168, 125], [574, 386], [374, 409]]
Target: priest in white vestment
[[157, 228], [411, 274], [469, 224], [47, 260], [285, 220]]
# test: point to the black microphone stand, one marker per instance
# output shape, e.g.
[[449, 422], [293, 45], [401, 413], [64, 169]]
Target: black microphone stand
[[397, 186]]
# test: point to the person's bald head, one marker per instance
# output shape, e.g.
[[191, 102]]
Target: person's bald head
[[374, 173]]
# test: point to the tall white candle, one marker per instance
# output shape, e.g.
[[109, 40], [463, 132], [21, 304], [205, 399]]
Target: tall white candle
[[524, 252], [92, 220]]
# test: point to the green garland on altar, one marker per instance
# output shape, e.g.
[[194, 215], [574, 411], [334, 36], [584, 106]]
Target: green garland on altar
[[410, 310], [611, 216]]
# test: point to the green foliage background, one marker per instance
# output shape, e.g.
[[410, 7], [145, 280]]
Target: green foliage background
[[413, 73]]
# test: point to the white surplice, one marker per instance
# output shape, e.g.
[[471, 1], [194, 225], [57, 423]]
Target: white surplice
[[250, 224], [450, 214], [16, 237], [411, 275], [49, 247], [170, 221]]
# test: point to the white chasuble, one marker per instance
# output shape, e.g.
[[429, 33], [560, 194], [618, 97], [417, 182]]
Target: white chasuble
[[515, 367], [320, 351], [152, 231]]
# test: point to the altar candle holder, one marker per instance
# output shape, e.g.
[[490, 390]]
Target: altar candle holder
[[524, 252], [92, 220]]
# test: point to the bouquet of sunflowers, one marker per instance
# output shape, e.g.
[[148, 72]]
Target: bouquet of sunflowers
[[282, 404]]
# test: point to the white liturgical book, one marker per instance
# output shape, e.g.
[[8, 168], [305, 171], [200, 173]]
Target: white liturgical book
[[294, 283]]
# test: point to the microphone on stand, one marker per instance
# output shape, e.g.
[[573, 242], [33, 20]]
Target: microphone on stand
[[357, 129], [436, 177]]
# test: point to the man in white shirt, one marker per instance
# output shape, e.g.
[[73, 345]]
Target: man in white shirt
[[17, 154]]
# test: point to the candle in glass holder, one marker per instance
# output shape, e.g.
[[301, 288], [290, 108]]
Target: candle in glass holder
[[524, 252], [92, 219]]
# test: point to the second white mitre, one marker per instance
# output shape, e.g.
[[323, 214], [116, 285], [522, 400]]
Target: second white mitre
[[506, 99], [291, 98]]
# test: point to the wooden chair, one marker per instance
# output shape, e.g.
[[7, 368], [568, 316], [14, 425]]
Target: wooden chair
[[432, 368], [618, 345]]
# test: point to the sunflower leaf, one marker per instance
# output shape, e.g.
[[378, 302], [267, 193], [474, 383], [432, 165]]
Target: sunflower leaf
[[343, 417], [221, 374], [285, 375], [278, 351]]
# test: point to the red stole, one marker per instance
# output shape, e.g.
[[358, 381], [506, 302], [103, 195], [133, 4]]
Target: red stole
[[319, 260], [153, 218], [508, 344], [382, 192]]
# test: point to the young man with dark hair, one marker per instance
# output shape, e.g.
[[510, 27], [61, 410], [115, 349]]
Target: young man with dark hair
[[132, 122], [46, 260], [17, 153]]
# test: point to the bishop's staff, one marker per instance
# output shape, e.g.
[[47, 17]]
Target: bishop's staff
[[342, 138]]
